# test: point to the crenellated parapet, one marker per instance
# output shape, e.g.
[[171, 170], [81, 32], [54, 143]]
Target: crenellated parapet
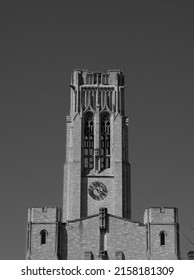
[[44, 215], [161, 215]]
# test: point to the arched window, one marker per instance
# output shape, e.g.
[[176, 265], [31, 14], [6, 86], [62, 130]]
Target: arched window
[[105, 141], [162, 238], [89, 141], [43, 236]]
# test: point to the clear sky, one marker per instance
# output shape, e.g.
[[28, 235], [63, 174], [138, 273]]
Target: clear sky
[[41, 42]]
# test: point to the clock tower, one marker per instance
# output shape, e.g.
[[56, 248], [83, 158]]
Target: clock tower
[[97, 171], [95, 222]]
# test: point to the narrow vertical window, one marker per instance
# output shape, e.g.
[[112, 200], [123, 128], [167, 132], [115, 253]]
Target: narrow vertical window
[[147, 244], [88, 141], [105, 141], [162, 238], [43, 236], [99, 78], [95, 78]]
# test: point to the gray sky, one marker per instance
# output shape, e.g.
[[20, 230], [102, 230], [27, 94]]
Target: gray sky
[[41, 43]]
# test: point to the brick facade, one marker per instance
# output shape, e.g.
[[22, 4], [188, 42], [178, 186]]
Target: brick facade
[[95, 222], [122, 238], [43, 219], [76, 201]]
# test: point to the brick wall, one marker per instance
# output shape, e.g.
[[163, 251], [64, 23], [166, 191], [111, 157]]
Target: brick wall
[[164, 220], [167, 251], [83, 236], [126, 236], [43, 219], [122, 236]]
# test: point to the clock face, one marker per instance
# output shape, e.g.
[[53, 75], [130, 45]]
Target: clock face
[[97, 190]]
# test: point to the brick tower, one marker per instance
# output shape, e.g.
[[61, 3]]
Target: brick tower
[[97, 172], [95, 221]]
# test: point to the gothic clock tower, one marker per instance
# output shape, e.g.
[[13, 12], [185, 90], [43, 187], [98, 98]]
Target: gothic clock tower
[[97, 171], [96, 216]]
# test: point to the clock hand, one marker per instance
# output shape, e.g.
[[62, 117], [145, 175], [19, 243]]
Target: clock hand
[[99, 190]]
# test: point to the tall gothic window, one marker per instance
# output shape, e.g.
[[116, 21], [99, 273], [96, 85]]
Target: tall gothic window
[[43, 236], [89, 141], [105, 141]]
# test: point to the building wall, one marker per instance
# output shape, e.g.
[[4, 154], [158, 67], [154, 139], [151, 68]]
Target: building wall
[[42, 219], [131, 239], [83, 236], [164, 220], [72, 182], [123, 239], [122, 236], [126, 237], [168, 251]]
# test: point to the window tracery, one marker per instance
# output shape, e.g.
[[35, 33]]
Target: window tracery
[[105, 141], [89, 141]]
